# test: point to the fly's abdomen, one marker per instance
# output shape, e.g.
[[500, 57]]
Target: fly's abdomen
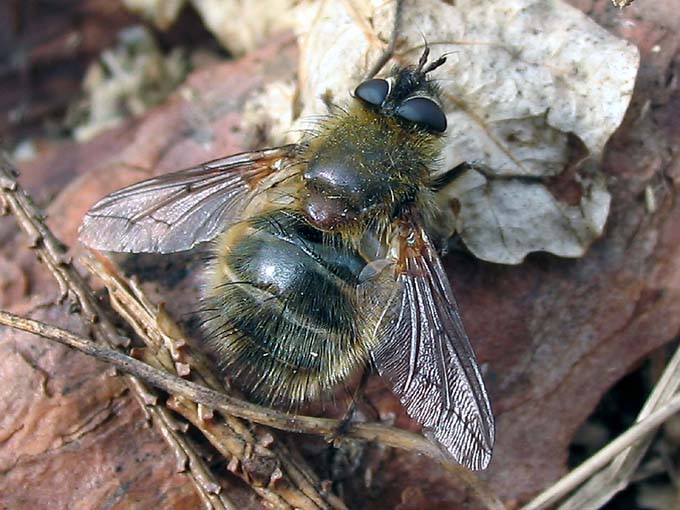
[[281, 308]]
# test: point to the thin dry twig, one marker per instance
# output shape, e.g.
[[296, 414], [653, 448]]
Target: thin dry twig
[[297, 486], [577, 476], [228, 405], [71, 285], [602, 486]]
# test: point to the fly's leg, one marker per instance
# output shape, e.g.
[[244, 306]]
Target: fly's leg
[[357, 399], [446, 178], [349, 459]]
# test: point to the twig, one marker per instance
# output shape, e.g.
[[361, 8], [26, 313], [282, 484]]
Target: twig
[[228, 405], [577, 476], [388, 51], [602, 486], [299, 492], [173, 384], [51, 251]]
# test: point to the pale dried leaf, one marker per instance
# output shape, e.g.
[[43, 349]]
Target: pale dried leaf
[[521, 75], [242, 26], [503, 220]]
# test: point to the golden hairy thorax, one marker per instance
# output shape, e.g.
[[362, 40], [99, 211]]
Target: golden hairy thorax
[[363, 168]]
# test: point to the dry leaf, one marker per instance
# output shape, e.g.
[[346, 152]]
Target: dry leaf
[[521, 75], [503, 220], [242, 26], [238, 26]]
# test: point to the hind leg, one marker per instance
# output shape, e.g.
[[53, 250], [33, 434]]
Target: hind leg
[[358, 399]]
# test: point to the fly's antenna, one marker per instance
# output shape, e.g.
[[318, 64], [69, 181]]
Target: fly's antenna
[[421, 68], [434, 65], [423, 59]]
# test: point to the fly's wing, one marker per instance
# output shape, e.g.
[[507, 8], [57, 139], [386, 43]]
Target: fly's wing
[[175, 211], [421, 348]]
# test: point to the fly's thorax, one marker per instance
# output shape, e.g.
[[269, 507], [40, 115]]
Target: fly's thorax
[[365, 166], [281, 308]]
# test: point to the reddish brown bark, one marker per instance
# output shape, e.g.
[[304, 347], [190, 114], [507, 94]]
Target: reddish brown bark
[[555, 334]]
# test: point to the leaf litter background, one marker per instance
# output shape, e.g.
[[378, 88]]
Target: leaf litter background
[[555, 334], [520, 76]]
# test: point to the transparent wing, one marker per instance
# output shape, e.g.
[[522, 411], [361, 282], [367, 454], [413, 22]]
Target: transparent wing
[[175, 211], [422, 349]]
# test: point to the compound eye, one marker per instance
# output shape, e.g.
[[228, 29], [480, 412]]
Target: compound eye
[[424, 112], [372, 91]]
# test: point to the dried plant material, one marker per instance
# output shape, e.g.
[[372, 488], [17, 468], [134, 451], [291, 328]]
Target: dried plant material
[[161, 13], [520, 77], [127, 80], [622, 3], [166, 349], [271, 113], [238, 26], [241, 26], [527, 217], [604, 485], [91, 317], [638, 432], [550, 332], [230, 406]]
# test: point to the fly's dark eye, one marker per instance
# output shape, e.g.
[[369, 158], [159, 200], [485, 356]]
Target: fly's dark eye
[[372, 91], [423, 111]]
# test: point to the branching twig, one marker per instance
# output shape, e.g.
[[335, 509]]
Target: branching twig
[[51, 251], [228, 405]]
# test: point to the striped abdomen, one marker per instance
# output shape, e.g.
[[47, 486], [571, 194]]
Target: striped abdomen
[[281, 302]]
